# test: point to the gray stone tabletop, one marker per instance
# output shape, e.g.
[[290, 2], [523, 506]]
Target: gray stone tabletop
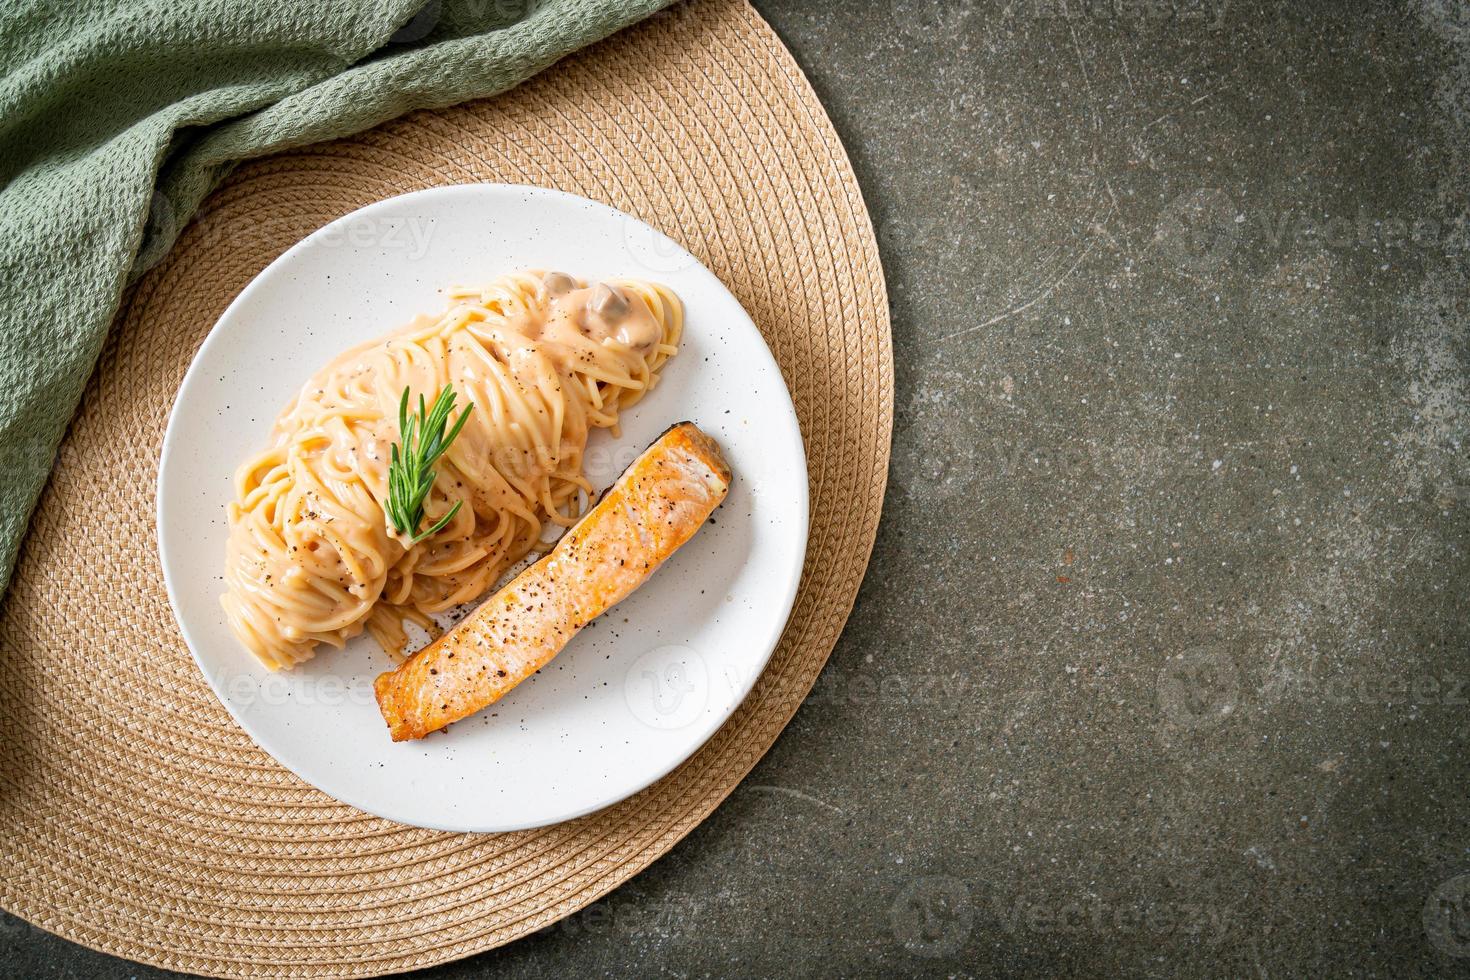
[[1161, 664]]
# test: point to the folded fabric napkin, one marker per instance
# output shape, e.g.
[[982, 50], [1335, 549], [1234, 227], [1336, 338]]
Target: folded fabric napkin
[[115, 110]]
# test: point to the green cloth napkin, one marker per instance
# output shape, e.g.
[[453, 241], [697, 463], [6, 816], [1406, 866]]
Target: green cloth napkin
[[114, 109]]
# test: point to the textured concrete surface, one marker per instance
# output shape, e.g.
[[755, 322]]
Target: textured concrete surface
[[1161, 665]]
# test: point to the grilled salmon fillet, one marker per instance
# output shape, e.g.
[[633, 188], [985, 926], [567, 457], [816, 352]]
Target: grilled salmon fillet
[[654, 507]]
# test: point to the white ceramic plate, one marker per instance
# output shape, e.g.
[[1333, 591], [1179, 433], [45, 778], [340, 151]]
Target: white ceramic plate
[[636, 693]]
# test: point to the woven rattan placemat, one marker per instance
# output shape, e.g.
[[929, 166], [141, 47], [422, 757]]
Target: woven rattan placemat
[[135, 817]]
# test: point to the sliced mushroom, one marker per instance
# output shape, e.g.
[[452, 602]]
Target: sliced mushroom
[[558, 283], [608, 303]]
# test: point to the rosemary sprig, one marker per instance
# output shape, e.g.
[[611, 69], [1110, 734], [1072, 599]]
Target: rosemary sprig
[[411, 469]]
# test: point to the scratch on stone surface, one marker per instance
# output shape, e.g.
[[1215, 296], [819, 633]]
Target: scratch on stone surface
[[787, 791], [1096, 226], [1022, 308], [1086, 80], [1175, 112]]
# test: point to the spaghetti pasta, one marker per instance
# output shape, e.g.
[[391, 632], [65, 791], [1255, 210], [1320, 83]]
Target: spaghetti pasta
[[543, 357]]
